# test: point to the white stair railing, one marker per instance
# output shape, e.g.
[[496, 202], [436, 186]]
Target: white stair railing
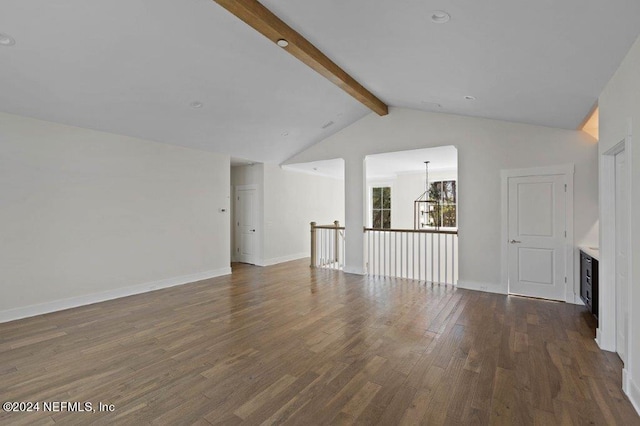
[[419, 254], [327, 246]]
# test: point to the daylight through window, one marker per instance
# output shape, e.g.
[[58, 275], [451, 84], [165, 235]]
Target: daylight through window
[[443, 212], [381, 207]]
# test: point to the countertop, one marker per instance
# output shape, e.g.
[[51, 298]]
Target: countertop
[[591, 251]]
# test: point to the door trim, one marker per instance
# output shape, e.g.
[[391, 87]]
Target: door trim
[[606, 331], [571, 291]]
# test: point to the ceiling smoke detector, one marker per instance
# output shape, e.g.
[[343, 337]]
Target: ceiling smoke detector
[[6, 40], [440, 17]]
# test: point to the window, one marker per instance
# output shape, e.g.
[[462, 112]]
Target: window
[[381, 207], [443, 213]]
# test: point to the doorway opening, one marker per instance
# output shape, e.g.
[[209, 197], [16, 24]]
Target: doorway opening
[[246, 193], [411, 214]]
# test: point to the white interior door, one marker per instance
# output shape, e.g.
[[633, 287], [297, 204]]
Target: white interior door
[[622, 235], [246, 224], [537, 235]]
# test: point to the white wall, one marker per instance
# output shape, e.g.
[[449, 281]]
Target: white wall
[[292, 201], [89, 216], [289, 201], [484, 148], [619, 106]]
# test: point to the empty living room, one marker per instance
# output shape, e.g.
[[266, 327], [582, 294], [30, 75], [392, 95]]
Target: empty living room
[[222, 212]]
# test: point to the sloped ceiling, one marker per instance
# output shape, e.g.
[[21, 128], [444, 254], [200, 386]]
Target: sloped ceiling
[[388, 165], [134, 67]]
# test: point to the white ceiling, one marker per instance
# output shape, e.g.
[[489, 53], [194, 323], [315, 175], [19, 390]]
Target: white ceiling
[[328, 168], [391, 164], [541, 62], [387, 165], [133, 66]]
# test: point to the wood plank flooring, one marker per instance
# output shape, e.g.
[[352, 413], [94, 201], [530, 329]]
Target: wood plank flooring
[[290, 345]]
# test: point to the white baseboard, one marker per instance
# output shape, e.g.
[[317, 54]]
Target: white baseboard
[[282, 259], [632, 390], [602, 343], [355, 271], [89, 299], [598, 339], [577, 301], [625, 381], [478, 286]]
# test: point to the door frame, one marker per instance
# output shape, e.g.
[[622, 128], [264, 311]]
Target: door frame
[[572, 292], [236, 213], [606, 331]]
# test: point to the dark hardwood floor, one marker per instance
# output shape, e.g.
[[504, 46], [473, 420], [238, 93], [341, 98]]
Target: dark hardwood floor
[[287, 344]]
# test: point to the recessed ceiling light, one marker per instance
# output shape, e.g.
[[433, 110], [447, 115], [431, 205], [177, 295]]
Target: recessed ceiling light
[[196, 104], [470, 98], [440, 16], [6, 40], [282, 43]]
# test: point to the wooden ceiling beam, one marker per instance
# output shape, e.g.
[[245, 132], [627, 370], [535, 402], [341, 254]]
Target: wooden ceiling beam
[[254, 14]]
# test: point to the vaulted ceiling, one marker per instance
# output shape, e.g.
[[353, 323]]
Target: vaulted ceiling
[[138, 67]]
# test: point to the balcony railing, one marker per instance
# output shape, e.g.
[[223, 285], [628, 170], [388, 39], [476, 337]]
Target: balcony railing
[[327, 246], [419, 254]]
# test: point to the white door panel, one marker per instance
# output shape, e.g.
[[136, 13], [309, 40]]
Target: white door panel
[[535, 265], [535, 208], [246, 225], [536, 215]]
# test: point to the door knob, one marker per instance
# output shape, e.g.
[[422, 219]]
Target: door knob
[[515, 242]]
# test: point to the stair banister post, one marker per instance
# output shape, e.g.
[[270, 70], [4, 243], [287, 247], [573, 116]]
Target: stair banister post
[[313, 245]]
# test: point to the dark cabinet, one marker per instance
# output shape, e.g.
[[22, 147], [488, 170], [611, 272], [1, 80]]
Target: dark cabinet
[[589, 282]]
